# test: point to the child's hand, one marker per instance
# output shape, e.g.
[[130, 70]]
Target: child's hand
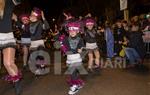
[[120, 42], [79, 50], [125, 43], [14, 17]]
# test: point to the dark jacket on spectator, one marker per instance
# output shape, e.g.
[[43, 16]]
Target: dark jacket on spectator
[[136, 42]]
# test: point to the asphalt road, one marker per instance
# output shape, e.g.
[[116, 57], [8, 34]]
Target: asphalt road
[[135, 81]]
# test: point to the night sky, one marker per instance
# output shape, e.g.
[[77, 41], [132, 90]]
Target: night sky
[[50, 7], [54, 8]]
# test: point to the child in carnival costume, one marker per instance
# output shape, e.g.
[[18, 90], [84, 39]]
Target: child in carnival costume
[[38, 24], [72, 47], [23, 24], [91, 45]]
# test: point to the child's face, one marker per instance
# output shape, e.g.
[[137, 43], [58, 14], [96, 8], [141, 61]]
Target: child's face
[[25, 20], [119, 24], [33, 18], [102, 30], [124, 24], [73, 33], [134, 28], [90, 27]]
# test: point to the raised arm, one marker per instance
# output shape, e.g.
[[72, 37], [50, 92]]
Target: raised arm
[[16, 2], [45, 22]]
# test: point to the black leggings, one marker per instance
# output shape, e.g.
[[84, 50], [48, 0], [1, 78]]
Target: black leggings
[[75, 74]]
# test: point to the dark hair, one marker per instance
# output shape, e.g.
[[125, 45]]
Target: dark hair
[[68, 12], [39, 57], [37, 11], [124, 21], [23, 15]]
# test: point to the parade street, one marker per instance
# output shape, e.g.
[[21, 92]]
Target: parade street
[[110, 82]]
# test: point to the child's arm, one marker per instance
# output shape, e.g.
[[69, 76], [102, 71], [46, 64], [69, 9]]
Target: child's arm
[[62, 44], [16, 2], [17, 22], [45, 22], [80, 46]]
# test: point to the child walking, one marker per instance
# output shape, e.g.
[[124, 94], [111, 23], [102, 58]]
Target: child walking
[[38, 24], [24, 25], [72, 47], [91, 45]]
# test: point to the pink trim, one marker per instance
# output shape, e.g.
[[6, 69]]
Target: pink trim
[[89, 23], [75, 82], [10, 78]]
